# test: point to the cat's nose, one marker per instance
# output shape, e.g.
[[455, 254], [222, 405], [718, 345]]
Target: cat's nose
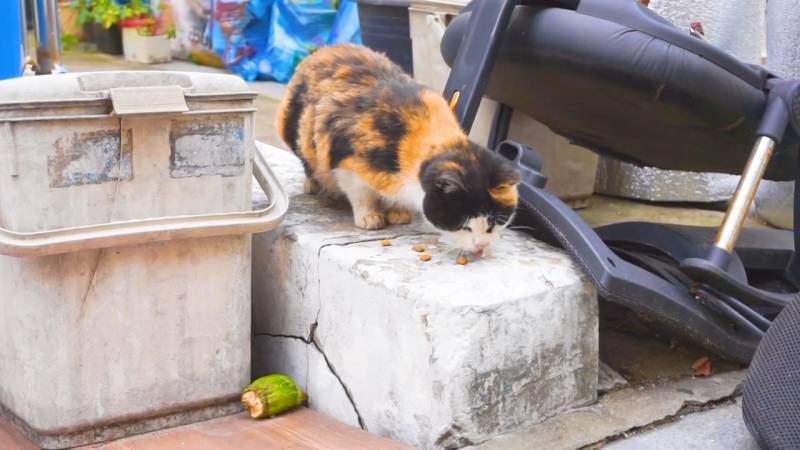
[[479, 248]]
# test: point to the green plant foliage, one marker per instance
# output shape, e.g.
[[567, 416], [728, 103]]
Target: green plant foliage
[[108, 13], [69, 41]]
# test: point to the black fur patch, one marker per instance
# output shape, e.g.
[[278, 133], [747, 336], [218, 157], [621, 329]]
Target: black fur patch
[[293, 112], [402, 92], [391, 126], [384, 160], [306, 168], [341, 148], [362, 103]]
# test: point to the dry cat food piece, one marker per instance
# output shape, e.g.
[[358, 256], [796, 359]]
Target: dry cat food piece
[[462, 260], [425, 257], [386, 243], [419, 248]]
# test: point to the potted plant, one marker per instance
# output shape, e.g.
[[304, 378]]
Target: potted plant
[[99, 18], [145, 37]]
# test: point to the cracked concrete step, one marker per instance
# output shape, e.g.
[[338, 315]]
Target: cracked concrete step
[[431, 354], [621, 412], [720, 428]]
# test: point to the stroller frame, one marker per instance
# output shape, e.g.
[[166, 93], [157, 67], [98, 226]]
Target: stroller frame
[[700, 290]]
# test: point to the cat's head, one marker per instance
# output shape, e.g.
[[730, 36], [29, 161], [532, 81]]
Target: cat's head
[[470, 196]]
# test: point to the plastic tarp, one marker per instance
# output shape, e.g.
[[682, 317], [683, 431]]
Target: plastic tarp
[[266, 39]]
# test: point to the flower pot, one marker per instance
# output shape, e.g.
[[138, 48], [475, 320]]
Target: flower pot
[[140, 46], [68, 20]]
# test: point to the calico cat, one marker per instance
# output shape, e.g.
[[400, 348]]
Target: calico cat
[[365, 129]]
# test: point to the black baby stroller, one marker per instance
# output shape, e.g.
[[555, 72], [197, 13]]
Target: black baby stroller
[[614, 77]]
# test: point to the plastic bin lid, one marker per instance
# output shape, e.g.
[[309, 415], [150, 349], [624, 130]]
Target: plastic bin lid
[[90, 85]]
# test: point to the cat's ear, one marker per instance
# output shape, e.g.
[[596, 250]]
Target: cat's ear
[[449, 182], [506, 180], [505, 194]]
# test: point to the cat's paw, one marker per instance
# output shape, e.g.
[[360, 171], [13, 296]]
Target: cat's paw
[[311, 187], [399, 216], [371, 220]]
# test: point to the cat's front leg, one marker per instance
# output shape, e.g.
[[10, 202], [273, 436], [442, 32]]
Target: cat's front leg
[[366, 204], [311, 187], [396, 215]]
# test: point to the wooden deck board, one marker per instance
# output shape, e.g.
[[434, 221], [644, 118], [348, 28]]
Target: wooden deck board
[[300, 429]]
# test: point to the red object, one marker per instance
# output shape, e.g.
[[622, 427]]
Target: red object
[[138, 22]]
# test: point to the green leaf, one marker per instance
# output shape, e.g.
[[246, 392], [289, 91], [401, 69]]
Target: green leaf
[[68, 41]]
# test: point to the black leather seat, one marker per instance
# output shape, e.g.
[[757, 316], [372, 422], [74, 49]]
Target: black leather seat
[[616, 78]]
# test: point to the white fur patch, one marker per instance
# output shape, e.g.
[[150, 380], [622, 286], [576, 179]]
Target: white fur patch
[[410, 196], [476, 237]]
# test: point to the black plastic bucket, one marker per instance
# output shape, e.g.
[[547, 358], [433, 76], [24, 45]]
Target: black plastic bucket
[[385, 28], [108, 40]]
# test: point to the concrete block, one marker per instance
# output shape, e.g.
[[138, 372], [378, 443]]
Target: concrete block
[[720, 428], [775, 199], [625, 411], [737, 26], [432, 354]]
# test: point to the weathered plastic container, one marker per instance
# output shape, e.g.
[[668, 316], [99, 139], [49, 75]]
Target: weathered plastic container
[[385, 28], [125, 221]]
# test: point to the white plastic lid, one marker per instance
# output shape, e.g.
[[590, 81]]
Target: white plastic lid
[[90, 85]]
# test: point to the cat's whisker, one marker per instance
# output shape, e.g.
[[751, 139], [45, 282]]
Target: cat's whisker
[[449, 250], [521, 227]]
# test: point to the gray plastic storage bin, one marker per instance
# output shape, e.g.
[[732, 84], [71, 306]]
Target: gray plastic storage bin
[[125, 221]]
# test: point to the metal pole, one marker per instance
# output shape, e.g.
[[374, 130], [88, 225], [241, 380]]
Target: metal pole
[[41, 62], [49, 36], [739, 207], [28, 58], [53, 32]]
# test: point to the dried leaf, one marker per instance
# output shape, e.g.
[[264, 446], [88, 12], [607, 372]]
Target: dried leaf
[[386, 243], [425, 257], [701, 367]]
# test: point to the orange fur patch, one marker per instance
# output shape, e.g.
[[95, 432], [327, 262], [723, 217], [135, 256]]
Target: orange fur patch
[[454, 166], [505, 194]]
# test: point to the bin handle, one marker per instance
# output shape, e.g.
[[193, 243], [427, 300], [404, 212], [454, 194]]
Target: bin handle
[[142, 231]]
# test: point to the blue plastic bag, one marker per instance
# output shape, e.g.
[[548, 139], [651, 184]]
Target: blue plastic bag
[[297, 28], [346, 28], [266, 39], [238, 30]]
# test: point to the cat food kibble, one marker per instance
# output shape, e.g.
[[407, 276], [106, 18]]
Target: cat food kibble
[[386, 243], [419, 248], [425, 257], [462, 260]]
